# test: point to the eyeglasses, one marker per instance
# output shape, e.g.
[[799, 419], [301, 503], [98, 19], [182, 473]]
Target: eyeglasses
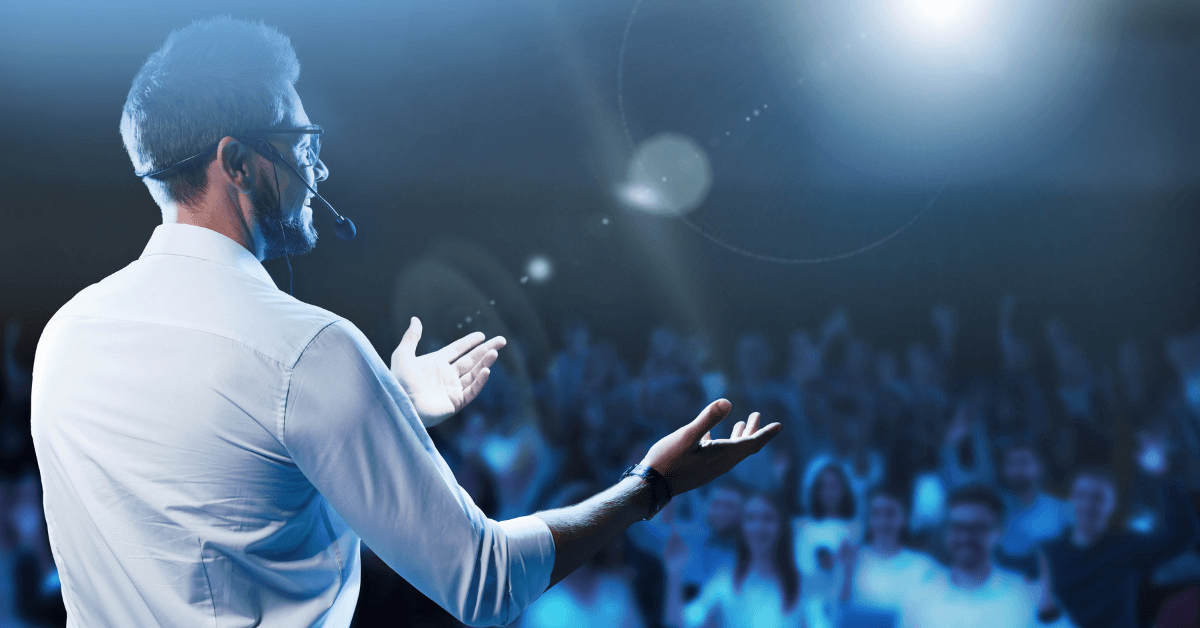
[[312, 152]]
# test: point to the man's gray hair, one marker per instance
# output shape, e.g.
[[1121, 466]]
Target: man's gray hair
[[213, 78]]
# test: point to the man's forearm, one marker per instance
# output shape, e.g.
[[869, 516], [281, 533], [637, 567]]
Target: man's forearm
[[582, 530]]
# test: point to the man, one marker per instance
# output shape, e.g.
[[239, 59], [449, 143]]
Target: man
[[974, 592], [213, 450], [1097, 572], [1033, 516]]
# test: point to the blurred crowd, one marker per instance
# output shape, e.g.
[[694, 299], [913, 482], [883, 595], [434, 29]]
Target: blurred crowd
[[900, 493]]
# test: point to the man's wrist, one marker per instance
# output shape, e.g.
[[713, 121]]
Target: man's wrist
[[660, 491], [641, 496]]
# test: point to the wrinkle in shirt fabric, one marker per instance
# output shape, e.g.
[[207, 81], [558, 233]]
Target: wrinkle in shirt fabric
[[184, 414]]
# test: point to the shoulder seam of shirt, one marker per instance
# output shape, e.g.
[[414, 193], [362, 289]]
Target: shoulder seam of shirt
[[287, 391], [311, 339], [204, 331]]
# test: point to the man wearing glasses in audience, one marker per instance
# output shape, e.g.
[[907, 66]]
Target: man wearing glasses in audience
[[974, 592]]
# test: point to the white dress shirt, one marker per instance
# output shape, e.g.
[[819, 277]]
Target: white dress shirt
[[212, 450], [1004, 600]]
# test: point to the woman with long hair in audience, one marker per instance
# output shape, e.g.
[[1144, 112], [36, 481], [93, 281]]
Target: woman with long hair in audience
[[830, 522], [879, 576], [761, 589]]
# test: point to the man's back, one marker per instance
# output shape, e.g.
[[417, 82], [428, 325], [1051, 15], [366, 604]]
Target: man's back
[[158, 406]]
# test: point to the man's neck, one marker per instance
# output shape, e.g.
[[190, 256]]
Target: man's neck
[[885, 550], [971, 578], [221, 213], [763, 566]]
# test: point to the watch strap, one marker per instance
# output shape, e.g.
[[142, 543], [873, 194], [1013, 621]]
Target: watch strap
[[658, 486]]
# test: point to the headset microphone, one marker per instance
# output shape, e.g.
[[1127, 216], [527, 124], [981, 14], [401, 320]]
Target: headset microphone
[[344, 228]]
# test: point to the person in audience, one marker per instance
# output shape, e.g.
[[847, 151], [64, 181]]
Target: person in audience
[[712, 546], [1097, 570], [761, 589], [565, 373], [974, 592], [882, 573], [831, 522], [36, 587], [1033, 516], [966, 452]]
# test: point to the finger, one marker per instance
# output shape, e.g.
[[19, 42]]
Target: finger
[[476, 386], [751, 424], [458, 348], [485, 363], [470, 361], [408, 343], [738, 428], [708, 419], [764, 435]]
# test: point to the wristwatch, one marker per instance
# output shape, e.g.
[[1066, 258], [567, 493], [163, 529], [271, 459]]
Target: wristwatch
[[658, 486]]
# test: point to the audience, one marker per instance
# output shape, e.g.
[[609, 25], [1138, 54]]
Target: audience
[[831, 521], [882, 574], [974, 592], [761, 590], [1033, 517], [928, 498], [1097, 570]]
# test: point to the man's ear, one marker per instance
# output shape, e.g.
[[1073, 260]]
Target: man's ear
[[236, 160]]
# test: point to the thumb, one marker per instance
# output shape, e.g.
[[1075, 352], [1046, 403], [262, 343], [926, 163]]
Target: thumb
[[708, 419], [408, 344]]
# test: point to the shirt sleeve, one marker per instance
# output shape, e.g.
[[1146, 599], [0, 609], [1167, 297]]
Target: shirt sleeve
[[355, 435]]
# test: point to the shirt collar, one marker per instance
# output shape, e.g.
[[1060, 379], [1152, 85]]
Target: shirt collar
[[206, 244]]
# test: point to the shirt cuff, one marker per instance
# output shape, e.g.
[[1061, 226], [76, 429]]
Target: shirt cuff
[[531, 557]]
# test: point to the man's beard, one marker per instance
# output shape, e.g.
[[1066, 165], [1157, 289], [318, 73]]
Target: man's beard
[[290, 237]]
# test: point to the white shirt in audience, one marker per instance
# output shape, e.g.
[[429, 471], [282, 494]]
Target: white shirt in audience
[[759, 604], [886, 583], [1004, 600]]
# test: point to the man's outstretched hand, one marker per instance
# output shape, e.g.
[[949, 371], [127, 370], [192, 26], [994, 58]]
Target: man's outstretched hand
[[689, 457], [441, 383]]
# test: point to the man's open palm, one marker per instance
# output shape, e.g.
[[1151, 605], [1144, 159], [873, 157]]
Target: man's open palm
[[691, 457], [441, 383]]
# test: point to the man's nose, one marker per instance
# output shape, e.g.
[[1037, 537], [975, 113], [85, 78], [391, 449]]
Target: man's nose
[[321, 171]]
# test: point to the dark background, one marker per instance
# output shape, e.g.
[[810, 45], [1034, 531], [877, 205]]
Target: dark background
[[497, 124]]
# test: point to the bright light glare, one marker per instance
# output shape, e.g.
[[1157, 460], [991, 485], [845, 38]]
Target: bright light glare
[[539, 268], [943, 19], [668, 174], [641, 195], [943, 13]]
